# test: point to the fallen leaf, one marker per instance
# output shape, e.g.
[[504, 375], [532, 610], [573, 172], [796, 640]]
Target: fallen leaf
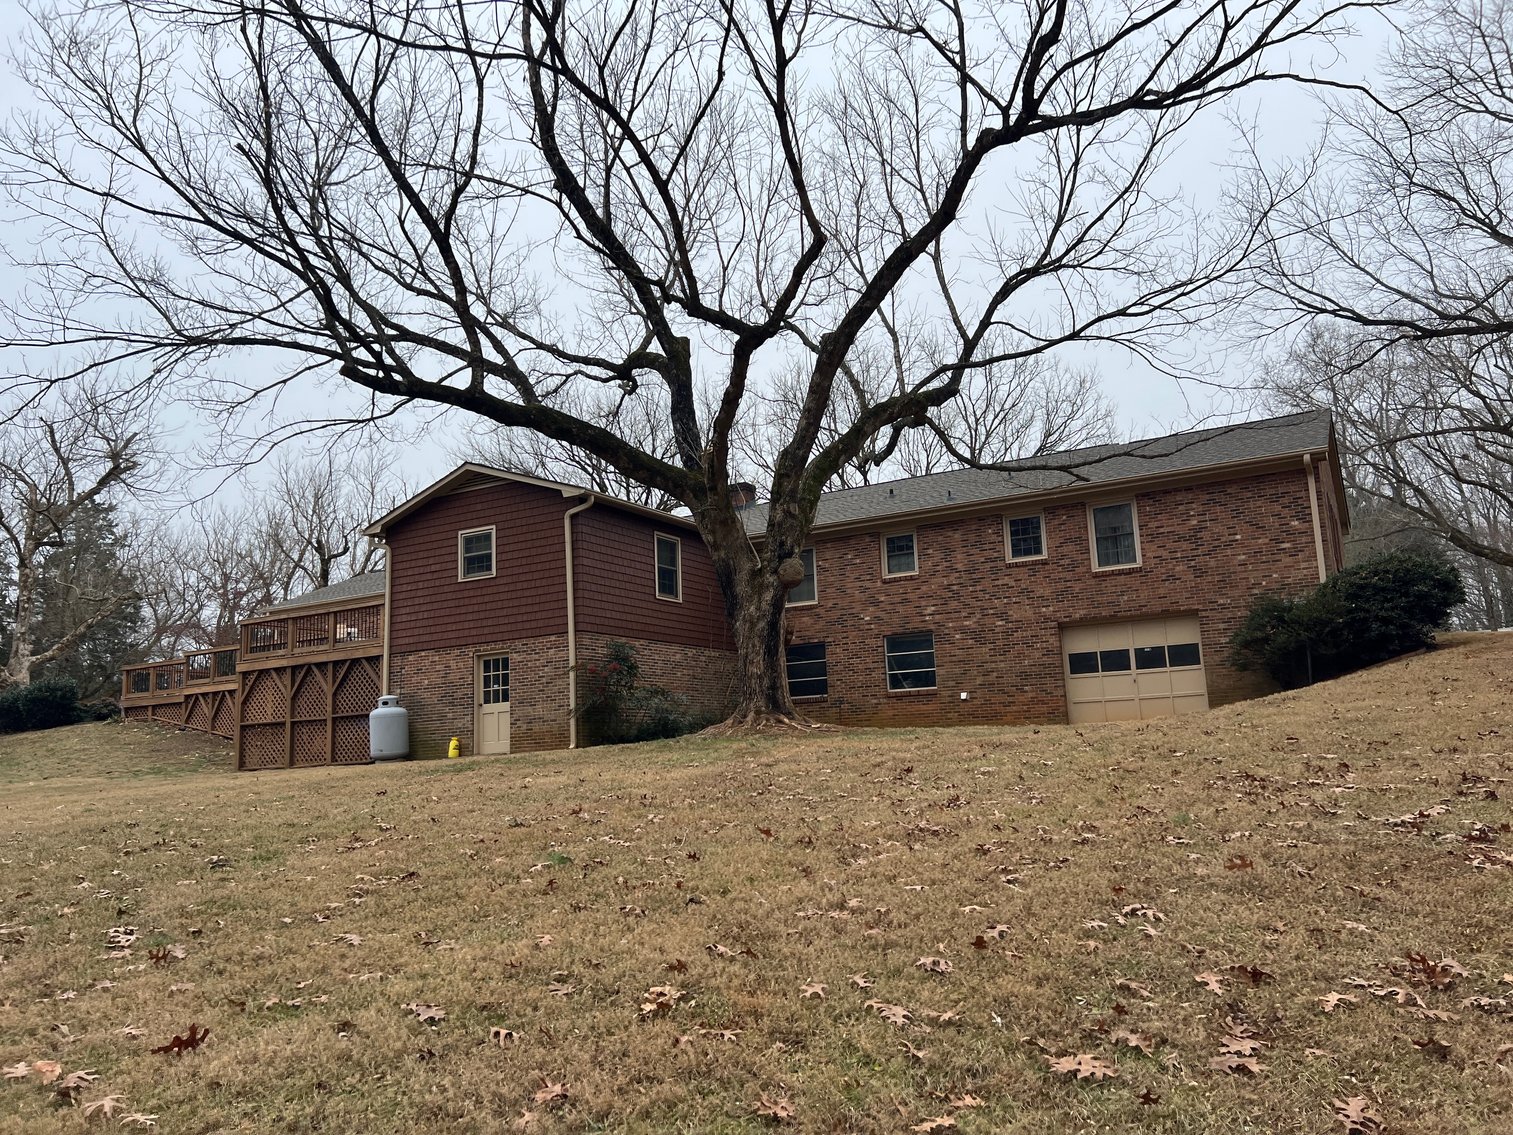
[[105, 1105], [1146, 1044], [813, 989], [18, 1071], [427, 1013], [1084, 1065], [1235, 1065], [939, 1123], [778, 1108], [1332, 1001], [934, 965], [550, 1091], [48, 1070], [1358, 1116], [1210, 981], [186, 1043], [502, 1037]]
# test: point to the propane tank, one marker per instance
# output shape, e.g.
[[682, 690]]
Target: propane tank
[[454, 750], [389, 730]]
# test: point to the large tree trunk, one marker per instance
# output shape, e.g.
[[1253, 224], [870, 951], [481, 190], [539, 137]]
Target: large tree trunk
[[754, 601]]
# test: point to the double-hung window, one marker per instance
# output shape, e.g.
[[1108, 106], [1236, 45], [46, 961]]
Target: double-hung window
[[806, 590], [910, 661], [669, 567], [475, 553], [808, 670], [900, 554], [1116, 535], [1025, 537]]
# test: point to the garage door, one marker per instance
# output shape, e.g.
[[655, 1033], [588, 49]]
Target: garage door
[[1126, 671]]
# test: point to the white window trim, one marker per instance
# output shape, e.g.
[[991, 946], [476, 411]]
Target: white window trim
[[1092, 534], [656, 568], [493, 553], [882, 549], [1008, 546], [814, 555], [934, 653]]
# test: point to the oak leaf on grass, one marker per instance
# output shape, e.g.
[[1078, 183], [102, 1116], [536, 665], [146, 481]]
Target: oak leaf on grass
[[1084, 1065]]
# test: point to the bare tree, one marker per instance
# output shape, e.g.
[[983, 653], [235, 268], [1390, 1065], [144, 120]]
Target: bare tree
[[314, 513], [1426, 427], [493, 207], [57, 460]]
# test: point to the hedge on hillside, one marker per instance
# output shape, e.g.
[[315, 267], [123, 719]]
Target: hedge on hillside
[[1378, 609], [43, 704]]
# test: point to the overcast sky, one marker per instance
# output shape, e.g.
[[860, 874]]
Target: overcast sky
[[1147, 402]]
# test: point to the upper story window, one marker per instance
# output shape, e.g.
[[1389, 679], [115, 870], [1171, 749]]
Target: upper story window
[[910, 661], [900, 554], [669, 567], [806, 591], [1116, 535], [475, 553], [1025, 537]]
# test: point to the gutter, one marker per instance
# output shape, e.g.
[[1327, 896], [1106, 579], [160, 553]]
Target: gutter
[[1313, 507], [383, 666], [572, 620]]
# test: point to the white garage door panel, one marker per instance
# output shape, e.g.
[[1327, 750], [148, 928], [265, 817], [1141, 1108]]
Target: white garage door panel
[[1125, 672]]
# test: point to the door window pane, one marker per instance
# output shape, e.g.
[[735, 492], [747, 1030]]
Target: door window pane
[[496, 680], [1082, 662], [1183, 654], [1150, 658], [1114, 535], [1113, 661]]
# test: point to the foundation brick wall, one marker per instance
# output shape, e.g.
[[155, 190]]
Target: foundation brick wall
[[439, 688], [705, 677], [1206, 550]]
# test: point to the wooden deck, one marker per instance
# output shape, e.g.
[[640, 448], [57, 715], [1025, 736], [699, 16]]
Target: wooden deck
[[295, 692]]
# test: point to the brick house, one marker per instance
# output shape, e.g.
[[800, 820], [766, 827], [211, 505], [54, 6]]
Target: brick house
[[1095, 585]]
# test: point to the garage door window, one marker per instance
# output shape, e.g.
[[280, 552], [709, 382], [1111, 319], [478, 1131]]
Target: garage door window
[[1183, 654]]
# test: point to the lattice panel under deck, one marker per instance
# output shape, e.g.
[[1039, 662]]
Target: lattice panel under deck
[[351, 741], [262, 747], [264, 698], [310, 744], [357, 691], [309, 693]]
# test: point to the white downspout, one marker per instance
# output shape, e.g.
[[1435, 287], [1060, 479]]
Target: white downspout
[[572, 621], [1313, 507], [383, 676]]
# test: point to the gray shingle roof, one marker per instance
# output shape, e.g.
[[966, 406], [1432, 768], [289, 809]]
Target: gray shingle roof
[[1094, 466], [364, 586]]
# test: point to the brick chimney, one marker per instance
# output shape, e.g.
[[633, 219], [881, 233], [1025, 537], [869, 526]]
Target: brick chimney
[[743, 494]]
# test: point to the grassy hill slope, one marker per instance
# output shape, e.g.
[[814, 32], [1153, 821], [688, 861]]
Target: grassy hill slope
[[1244, 915]]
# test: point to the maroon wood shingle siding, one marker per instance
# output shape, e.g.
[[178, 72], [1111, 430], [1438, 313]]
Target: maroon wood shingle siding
[[614, 562], [526, 598]]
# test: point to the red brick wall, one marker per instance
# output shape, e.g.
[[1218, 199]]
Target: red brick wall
[[614, 566], [526, 598], [439, 688], [705, 677], [1205, 550]]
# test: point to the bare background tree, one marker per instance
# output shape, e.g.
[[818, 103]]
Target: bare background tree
[[61, 460], [1393, 257], [507, 208], [1425, 431]]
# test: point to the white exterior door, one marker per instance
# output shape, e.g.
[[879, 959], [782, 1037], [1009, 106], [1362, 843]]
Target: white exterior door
[[493, 726], [1128, 671]]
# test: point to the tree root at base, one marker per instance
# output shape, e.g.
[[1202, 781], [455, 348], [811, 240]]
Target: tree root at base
[[764, 722]]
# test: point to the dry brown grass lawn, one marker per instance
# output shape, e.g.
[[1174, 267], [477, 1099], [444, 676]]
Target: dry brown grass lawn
[[676, 937]]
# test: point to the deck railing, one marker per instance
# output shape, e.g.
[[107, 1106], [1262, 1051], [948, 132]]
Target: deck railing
[[169, 679], [357, 629]]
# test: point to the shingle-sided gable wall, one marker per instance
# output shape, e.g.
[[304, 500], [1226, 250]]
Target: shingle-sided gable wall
[[1205, 550], [526, 598], [614, 569]]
